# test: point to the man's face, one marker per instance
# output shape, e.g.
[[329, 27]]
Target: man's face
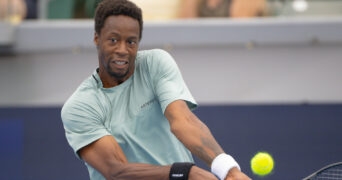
[[117, 46]]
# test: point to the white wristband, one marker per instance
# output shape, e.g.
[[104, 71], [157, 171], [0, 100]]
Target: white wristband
[[222, 164]]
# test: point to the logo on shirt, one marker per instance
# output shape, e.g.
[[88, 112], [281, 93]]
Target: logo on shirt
[[148, 103]]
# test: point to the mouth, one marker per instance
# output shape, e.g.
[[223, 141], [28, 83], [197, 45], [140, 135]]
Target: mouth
[[119, 63]]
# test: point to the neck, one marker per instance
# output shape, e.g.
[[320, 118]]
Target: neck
[[109, 81]]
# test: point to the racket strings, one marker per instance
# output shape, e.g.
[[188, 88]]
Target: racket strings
[[332, 173]]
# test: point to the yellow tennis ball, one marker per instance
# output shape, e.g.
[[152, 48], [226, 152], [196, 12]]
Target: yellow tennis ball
[[262, 163]]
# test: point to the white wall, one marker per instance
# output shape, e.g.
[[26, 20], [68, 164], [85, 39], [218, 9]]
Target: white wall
[[255, 61]]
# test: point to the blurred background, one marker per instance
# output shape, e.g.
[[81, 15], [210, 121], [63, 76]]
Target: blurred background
[[173, 9], [266, 73]]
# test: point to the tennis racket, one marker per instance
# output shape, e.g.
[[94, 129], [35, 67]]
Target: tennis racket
[[329, 172]]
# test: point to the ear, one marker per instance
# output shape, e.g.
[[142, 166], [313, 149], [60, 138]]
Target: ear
[[96, 39]]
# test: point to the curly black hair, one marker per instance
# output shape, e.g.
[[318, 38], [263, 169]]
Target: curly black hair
[[107, 8]]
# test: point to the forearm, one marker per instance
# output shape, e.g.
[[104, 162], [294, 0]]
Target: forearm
[[152, 172], [138, 171], [201, 143], [197, 137], [107, 157]]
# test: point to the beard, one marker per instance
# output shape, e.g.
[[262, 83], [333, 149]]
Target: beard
[[116, 74], [113, 70], [119, 74]]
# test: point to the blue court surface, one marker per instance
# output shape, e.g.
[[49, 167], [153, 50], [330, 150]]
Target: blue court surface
[[301, 137]]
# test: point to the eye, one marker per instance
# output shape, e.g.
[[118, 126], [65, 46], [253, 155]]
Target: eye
[[132, 42], [113, 40]]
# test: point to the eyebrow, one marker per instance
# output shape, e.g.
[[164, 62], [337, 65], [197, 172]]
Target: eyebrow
[[130, 37]]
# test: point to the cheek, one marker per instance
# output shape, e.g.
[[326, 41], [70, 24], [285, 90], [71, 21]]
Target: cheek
[[103, 57], [132, 61], [104, 53], [133, 56]]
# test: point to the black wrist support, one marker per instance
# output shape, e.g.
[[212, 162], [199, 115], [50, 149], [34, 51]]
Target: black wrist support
[[180, 171]]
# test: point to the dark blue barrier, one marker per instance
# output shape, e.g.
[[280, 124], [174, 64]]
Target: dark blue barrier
[[302, 139], [11, 149], [45, 152]]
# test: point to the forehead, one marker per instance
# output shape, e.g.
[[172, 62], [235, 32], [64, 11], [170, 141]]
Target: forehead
[[121, 24]]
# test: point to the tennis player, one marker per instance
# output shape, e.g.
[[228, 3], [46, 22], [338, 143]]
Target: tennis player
[[132, 119]]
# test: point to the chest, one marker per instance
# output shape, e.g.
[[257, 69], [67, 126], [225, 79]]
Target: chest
[[133, 112]]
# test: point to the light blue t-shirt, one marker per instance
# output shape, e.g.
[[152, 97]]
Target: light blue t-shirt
[[132, 112]]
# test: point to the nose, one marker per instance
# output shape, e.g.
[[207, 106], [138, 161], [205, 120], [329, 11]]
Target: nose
[[122, 48]]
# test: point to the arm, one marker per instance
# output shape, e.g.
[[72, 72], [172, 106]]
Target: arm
[[196, 136], [107, 157], [247, 8], [189, 9]]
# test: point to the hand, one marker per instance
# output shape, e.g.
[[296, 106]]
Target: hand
[[197, 173], [236, 174]]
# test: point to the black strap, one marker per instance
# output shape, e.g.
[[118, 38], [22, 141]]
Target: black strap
[[180, 171]]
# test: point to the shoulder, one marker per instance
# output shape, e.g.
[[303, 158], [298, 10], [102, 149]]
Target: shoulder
[[83, 100], [153, 54], [155, 58]]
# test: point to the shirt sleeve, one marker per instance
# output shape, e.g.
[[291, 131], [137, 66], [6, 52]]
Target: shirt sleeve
[[168, 82], [82, 124]]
